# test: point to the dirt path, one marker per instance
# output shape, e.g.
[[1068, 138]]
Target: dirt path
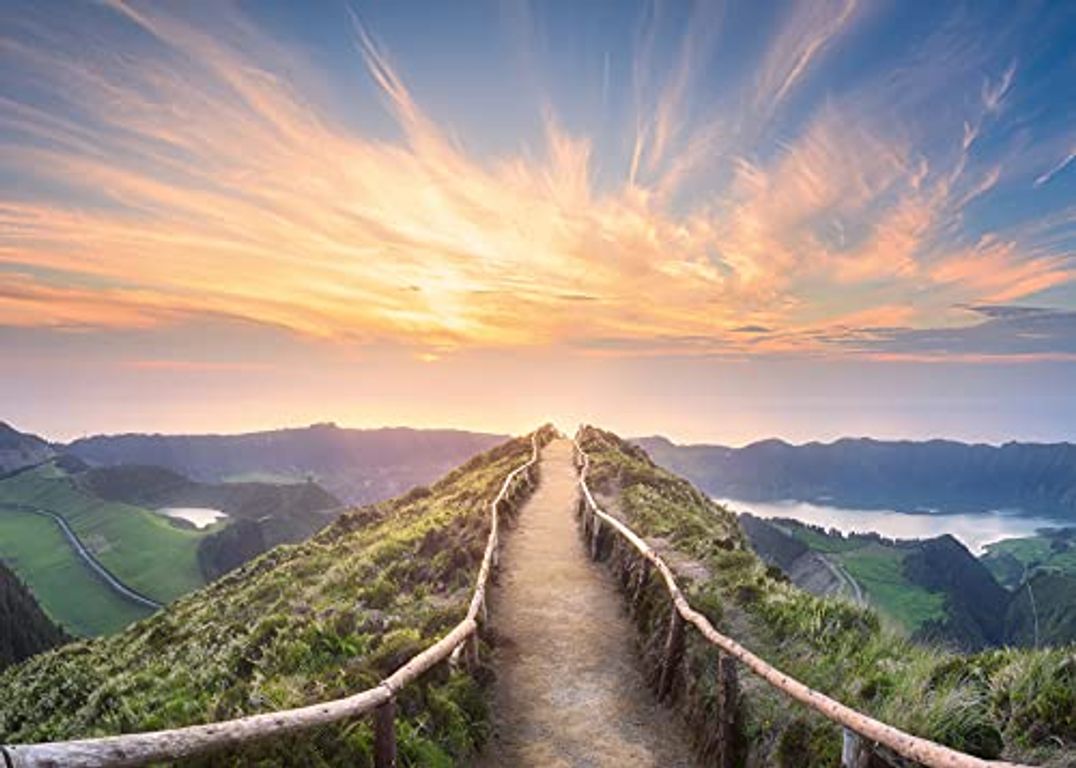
[[568, 690]]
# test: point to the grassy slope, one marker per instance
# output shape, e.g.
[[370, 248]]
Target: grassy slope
[[142, 549], [302, 623], [24, 628], [1008, 558], [878, 569], [69, 592], [1023, 702]]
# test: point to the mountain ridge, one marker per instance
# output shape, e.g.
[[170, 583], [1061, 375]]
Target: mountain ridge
[[356, 465], [868, 473]]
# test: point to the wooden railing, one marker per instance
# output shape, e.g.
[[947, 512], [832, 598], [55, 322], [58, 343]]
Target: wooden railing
[[860, 730], [140, 748]]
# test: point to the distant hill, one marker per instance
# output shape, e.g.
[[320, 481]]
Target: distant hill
[[262, 514], [24, 628], [974, 599], [936, 474], [355, 465], [20, 449]]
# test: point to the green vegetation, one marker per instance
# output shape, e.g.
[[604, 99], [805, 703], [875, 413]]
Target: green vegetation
[[821, 542], [1043, 608], [879, 571], [260, 515], [300, 624], [24, 628], [1016, 703], [142, 549], [1012, 560], [70, 593], [934, 589], [109, 510]]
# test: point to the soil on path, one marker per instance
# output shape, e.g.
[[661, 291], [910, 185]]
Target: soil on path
[[568, 690]]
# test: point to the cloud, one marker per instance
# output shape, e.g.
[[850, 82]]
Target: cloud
[[1008, 332], [1061, 166], [204, 177]]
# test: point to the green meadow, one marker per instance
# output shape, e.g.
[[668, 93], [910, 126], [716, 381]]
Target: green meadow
[[1011, 560], [878, 570], [71, 594], [144, 550]]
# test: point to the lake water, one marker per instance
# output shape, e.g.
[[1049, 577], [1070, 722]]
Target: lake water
[[199, 517], [975, 531]]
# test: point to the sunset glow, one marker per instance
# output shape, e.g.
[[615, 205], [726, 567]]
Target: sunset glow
[[253, 204]]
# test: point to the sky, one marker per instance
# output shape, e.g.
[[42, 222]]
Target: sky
[[719, 221]]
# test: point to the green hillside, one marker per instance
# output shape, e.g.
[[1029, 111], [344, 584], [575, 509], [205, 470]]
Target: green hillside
[[935, 590], [1012, 560], [259, 515], [300, 624], [142, 549], [24, 628], [69, 592], [1016, 703], [879, 570], [110, 511]]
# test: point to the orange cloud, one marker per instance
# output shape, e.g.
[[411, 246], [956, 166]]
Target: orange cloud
[[216, 187]]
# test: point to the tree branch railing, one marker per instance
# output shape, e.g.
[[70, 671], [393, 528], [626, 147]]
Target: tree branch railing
[[134, 749], [860, 730]]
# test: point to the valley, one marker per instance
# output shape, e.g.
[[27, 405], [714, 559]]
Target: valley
[[336, 613], [933, 589], [100, 545]]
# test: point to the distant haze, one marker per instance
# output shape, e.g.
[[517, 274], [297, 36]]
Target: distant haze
[[686, 399]]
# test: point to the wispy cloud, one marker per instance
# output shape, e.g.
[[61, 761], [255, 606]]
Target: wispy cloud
[[204, 177], [1065, 163]]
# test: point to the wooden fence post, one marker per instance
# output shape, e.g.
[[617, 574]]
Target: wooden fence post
[[385, 735], [620, 552], [855, 753], [727, 702], [640, 584], [673, 653], [472, 651]]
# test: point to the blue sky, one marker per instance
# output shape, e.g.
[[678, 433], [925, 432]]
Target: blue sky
[[717, 220]]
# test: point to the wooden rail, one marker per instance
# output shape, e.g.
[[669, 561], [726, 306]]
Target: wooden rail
[[140, 748], [858, 727]]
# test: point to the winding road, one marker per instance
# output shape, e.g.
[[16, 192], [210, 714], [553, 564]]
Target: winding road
[[87, 557]]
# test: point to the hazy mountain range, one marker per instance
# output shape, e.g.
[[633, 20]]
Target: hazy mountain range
[[865, 473], [355, 465]]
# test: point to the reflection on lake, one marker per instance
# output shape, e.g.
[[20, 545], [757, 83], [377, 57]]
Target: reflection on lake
[[975, 531], [199, 517]]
